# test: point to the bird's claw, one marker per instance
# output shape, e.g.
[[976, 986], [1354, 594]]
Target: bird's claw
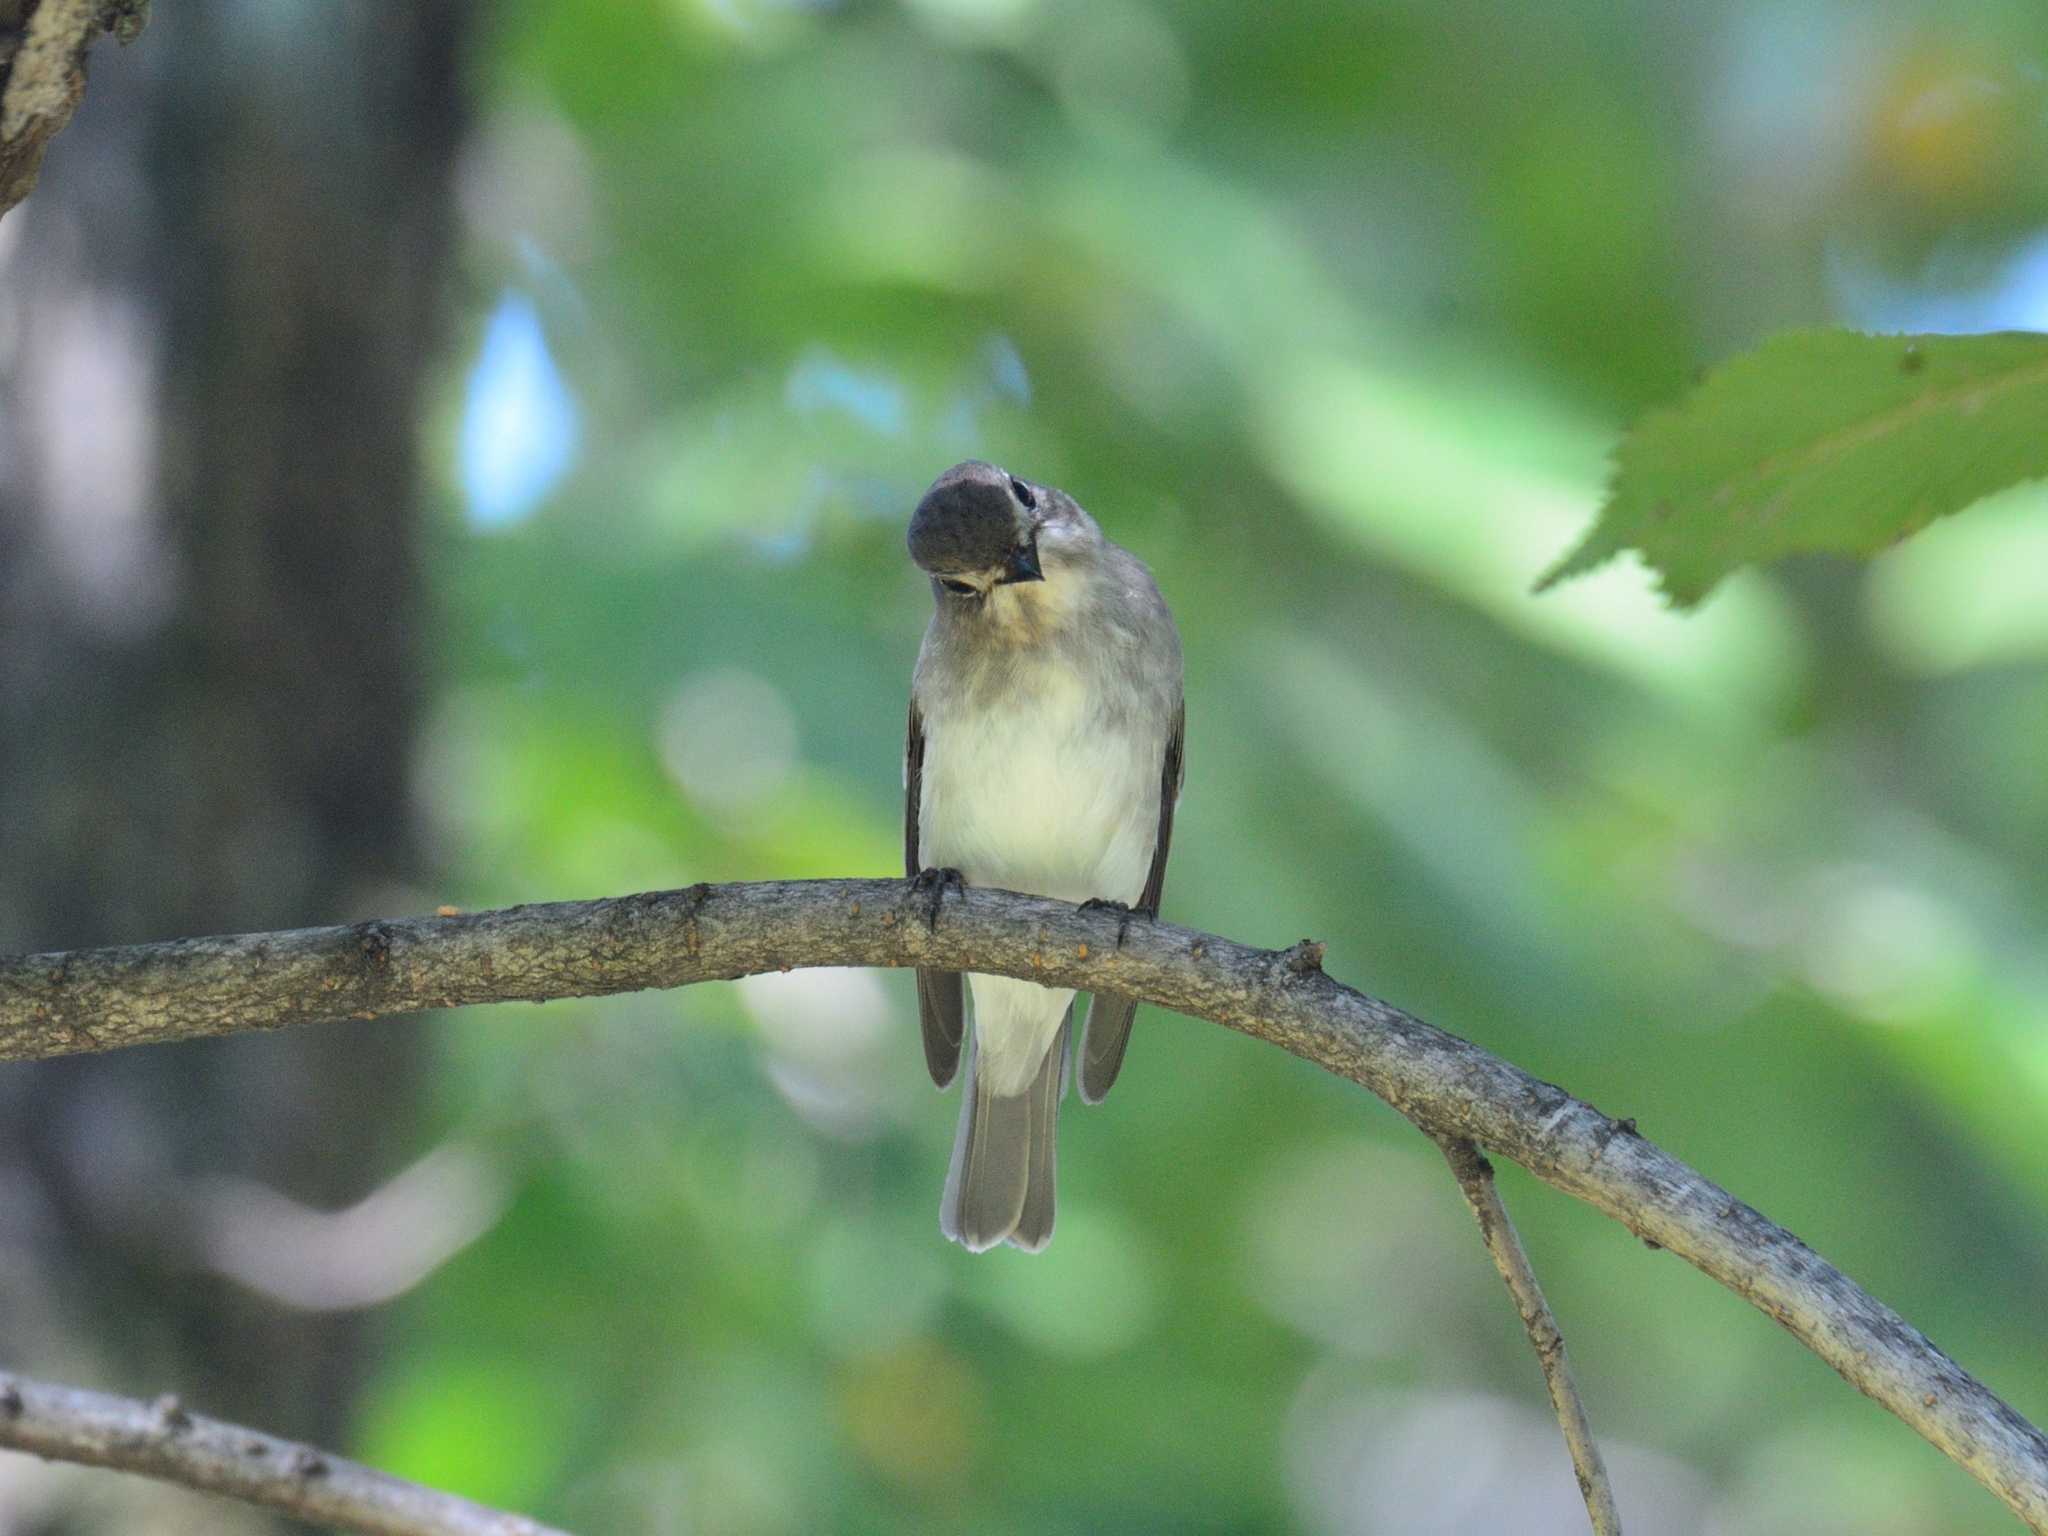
[[935, 882], [1124, 911]]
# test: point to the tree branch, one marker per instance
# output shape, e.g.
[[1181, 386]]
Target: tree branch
[[97, 999], [42, 79], [162, 1440], [1504, 1245]]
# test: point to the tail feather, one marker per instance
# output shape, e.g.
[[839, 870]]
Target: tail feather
[[1034, 1226], [1000, 1184]]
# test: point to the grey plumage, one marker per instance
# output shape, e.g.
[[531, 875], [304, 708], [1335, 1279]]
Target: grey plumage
[[1044, 755], [999, 1187], [941, 1011], [963, 524], [1109, 1013]]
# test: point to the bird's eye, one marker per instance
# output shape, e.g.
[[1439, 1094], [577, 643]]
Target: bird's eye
[[1022, 492], [957, 588]]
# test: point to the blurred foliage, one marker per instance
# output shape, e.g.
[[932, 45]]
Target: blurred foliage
[[1822, 442], [1333, 311]]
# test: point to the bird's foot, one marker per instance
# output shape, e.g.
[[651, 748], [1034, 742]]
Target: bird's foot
[[934, 882], [1125, 912]]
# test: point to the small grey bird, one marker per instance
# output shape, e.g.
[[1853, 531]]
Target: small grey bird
[[1044, 756]]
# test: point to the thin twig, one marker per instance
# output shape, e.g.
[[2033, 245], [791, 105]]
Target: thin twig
[[164, 1440], [97, 999], [1504, 1245]]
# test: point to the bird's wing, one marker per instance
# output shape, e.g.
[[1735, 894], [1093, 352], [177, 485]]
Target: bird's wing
[[1110, 1014], [940, 1007]]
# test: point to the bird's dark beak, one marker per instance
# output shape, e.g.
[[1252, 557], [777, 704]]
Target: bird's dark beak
[[1023, 564]]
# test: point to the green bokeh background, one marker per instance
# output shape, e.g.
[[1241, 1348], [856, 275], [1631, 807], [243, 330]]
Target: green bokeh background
[[1332, 311]]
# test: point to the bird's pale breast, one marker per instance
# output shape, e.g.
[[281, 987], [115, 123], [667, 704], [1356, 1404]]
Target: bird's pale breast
[[1048, 794]]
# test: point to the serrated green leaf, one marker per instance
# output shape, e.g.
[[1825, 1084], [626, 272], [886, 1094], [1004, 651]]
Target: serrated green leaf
[[1821, 442]]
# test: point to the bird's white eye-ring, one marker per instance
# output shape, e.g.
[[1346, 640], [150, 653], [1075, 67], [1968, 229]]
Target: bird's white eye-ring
[[957, 588], [1022, 492]]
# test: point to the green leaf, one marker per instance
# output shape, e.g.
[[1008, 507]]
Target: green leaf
[[1821, 442]]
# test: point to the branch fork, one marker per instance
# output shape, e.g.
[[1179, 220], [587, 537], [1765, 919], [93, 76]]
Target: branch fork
[[1457, 1093]]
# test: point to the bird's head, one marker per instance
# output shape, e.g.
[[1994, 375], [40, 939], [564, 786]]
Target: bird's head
[[980, 528]]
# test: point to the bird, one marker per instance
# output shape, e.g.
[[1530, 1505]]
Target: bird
[[1043, 755]]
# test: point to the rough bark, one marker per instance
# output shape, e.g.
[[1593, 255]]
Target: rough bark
[[56, 1003], [163, 1440], [43, 45]]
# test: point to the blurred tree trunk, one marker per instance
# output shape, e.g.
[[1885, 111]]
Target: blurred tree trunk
[[214, 329]]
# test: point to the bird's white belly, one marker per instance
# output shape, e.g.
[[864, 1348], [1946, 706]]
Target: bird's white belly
[[1041, 797]]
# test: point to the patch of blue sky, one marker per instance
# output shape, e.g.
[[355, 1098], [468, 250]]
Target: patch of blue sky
[[783, 548], [821, 381], [2014, 299], [520, 426], [1006, 370], [959, 425]]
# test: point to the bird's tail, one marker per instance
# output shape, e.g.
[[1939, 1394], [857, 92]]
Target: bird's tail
[[999, 1187]]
